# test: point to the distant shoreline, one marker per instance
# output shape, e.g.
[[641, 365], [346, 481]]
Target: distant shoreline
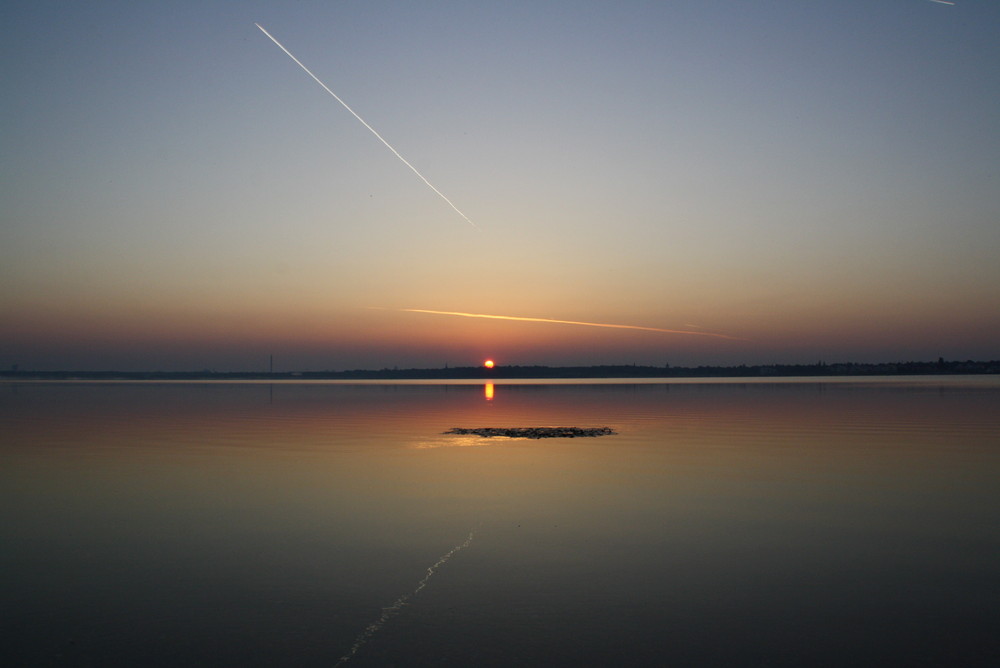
[[940, 367]]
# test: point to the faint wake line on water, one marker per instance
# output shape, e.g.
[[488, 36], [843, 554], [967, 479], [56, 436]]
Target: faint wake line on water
[[394, 609]]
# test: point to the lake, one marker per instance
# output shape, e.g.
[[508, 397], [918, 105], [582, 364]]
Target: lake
[[779, 523]]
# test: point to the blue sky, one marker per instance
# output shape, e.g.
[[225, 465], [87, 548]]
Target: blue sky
[[817, 180]]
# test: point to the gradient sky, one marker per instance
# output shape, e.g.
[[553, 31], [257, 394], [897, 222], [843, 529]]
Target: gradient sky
[[816, 180]]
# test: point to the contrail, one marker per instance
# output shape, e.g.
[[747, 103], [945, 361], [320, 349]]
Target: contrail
[[569, 322], [394, 609], [380, 138], [943, 2]]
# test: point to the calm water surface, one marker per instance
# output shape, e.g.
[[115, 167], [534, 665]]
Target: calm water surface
[[802, 523]]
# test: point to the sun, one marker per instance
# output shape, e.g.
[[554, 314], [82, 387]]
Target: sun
[[488, 364]]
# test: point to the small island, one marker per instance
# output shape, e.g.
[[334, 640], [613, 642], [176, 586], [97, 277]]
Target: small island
[[535, 432]]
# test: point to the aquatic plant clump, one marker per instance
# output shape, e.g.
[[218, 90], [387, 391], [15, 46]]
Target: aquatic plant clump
[[535, 432]]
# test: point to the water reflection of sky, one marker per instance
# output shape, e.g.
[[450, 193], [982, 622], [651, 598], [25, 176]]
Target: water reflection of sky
[[757, 513]]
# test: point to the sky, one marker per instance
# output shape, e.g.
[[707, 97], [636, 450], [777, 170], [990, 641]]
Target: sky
[[771, 181]]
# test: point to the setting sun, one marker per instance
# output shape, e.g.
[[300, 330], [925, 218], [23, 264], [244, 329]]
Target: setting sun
[[488, 364]]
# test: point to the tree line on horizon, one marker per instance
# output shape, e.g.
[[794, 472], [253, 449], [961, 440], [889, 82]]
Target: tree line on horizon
[[940, 367]]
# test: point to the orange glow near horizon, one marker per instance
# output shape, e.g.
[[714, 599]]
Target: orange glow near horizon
[[488, 364]]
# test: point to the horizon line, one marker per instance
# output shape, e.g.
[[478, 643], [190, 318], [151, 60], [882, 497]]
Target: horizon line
[[993, 364]]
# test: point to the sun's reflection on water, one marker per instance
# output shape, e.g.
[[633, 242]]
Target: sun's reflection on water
[[451, 442]]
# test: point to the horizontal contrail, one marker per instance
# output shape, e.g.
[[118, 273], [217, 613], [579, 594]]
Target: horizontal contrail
[[380, 138], [943, 2], [568, 322]]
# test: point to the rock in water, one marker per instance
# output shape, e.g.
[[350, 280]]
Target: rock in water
[[534, 432]]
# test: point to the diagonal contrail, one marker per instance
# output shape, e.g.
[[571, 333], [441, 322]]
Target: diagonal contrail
[[570, 322], [373, 131]]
